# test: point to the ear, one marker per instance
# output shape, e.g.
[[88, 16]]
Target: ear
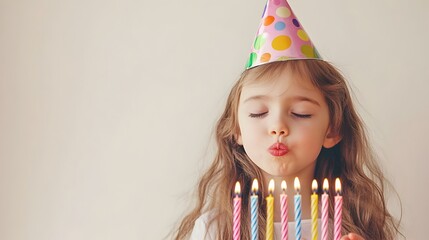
[[331, 139]]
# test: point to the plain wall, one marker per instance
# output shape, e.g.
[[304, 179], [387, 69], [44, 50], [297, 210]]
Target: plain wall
[[107, 108]]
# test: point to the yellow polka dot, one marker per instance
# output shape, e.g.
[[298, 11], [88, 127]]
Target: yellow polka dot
[[265, 57], [308, 51], [283, 58], [302, 34], [283, 12], [281, 43]]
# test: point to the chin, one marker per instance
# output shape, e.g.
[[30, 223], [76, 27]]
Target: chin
[[279, 171]]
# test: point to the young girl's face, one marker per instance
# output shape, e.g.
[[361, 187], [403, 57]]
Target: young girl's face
[[286, 109]]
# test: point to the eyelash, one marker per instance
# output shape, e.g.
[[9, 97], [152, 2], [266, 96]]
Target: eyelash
[[257, 115], [302, 115], [260, 115]]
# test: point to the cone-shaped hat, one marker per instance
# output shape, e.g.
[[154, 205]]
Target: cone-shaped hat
[[280, 37]]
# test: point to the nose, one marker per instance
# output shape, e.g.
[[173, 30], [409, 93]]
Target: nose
[[278, 130]]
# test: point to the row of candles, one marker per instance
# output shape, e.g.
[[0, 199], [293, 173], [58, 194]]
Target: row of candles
[[284, 211]]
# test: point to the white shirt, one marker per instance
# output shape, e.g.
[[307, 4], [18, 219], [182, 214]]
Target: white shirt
[[200, 229]]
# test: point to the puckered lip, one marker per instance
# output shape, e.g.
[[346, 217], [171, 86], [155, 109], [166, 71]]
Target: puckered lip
[[278, 149]]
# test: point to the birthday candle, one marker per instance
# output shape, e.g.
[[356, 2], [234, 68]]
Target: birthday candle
[[297, 200], [237, 212], [338, 210], [284, 211], [314, 209], [270, 211], [325, 206], [254, 209]]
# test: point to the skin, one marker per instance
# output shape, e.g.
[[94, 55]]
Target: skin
[[290, 110], [352, 236]]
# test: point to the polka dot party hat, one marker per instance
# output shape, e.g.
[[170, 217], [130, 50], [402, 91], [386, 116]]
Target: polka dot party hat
[[280, 37]]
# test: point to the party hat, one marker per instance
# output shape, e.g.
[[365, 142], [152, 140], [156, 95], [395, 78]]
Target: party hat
[[280, 37]]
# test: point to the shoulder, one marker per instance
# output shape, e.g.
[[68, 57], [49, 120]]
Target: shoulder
[[202, 228]]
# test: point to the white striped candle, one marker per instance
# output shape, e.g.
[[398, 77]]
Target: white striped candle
[[297, 201], [325, 209], [314, 210], [284, 212], [270, 212], [338, 210], [254, 210], [237, 212]]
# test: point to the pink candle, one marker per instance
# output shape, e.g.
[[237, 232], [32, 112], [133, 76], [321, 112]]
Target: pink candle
[[237, 212], [325, 209], [284, 211], [338, 210]]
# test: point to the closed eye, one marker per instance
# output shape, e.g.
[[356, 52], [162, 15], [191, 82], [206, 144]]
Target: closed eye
[[257, 115], [301, 115]]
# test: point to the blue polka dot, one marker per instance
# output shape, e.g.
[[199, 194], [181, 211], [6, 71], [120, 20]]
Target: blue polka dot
[[295, 22], [280, 26]]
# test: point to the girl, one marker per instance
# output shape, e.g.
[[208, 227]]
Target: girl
[[285, 119]]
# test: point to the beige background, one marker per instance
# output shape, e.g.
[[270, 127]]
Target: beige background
[[107, 107]]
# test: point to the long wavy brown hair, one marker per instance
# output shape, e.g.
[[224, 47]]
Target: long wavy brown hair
[[352, 160]]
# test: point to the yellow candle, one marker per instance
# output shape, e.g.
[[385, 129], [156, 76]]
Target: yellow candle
[[314, 210], [270, 211]]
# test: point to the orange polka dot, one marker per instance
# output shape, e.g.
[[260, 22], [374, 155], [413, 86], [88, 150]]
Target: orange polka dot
[[281, 43], [268, 20], [265, 57]]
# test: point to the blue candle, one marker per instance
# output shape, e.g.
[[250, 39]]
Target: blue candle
[[254, 209], [297, 199]]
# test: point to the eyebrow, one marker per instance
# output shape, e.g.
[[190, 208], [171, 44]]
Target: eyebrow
[[295, 98], [255, 97], [306, 99]]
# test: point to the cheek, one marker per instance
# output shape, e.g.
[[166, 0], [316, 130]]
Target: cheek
[[310, 136], [250, 130], [250, 135], [307, 145]]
